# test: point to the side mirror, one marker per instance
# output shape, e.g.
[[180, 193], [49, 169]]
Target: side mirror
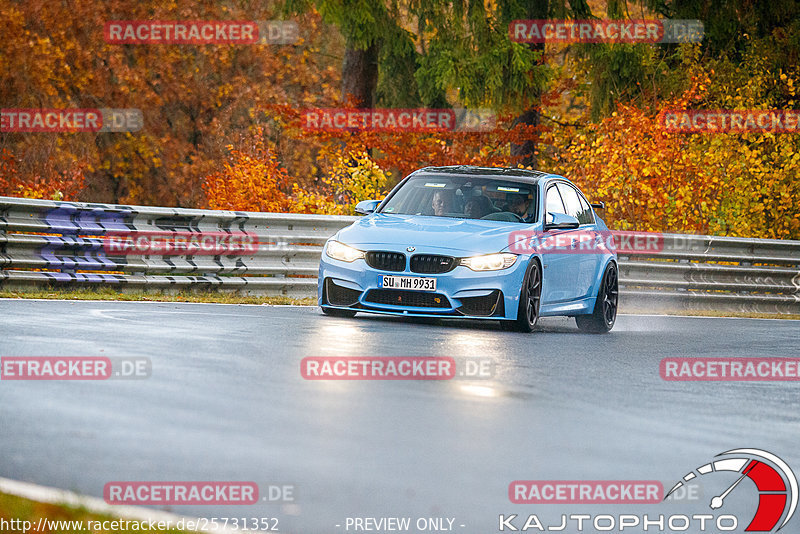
[[365, 207], [560, 221], [600, 205]]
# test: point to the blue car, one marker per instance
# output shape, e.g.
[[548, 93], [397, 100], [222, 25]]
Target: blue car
[[477, 243]]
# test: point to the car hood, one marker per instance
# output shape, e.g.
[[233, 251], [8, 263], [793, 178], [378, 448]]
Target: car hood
[[465, 236]]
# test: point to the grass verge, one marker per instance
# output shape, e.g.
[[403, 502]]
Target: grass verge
[[15, 511], [711, 313], [746, 315], [112, 294]]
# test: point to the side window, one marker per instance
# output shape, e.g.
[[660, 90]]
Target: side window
[[576, 205], [554, 203], [571, 201], [587, 215]]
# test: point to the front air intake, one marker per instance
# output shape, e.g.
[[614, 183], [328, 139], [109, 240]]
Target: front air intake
[[432, 264], [337, 295], [386, 261], [402, 297]]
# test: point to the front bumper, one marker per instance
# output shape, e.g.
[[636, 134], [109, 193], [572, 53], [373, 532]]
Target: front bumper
[[461, 292]]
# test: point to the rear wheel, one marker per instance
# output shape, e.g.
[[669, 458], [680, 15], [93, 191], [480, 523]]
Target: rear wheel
[[605, 308], [530, 300], [336, 312]]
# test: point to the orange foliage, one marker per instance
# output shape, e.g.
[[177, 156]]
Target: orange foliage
[[251, 180], [738, 184], [404, 152], [196, 100], [52, 184], [350, 166]]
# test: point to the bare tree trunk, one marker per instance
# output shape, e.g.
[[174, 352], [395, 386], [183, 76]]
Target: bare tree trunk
[[360, 74], [360, 77], [525, 152]]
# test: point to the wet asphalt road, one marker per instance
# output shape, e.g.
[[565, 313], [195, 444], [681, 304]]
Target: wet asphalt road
[[226, 401]]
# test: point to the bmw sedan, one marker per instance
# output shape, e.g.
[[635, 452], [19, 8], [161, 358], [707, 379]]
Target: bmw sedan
[[473, 242]]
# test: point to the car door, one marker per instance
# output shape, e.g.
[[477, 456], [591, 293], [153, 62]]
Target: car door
[[559, 270], [585, 259]]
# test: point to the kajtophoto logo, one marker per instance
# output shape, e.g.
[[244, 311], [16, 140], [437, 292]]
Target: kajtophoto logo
[[774, 501], [774, 479]]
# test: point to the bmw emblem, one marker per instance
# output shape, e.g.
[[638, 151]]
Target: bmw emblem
[[410, 249]]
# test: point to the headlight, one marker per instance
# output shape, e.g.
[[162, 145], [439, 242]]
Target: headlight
[[490, 262], [342, 252]]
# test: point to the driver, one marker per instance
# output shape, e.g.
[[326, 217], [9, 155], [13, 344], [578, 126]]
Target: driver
[[442, 203], [519, 204]]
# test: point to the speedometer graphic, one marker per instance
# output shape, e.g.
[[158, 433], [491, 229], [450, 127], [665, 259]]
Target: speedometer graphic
[[775, 481]]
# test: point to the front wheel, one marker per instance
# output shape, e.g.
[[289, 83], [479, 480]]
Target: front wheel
[[604, 315], [530, 300], [336, 312]]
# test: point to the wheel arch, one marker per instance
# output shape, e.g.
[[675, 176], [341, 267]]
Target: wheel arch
[[598, 281]]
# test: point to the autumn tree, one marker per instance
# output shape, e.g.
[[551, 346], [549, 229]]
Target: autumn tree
[[196, 99], [443, 54], [740, 184]]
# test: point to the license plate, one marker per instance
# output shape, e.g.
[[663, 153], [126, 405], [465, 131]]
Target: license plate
[[413, 283]]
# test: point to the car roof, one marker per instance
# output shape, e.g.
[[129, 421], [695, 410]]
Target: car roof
[[473, 170]]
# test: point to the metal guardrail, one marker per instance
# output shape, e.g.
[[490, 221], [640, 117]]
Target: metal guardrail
[[47, 243]]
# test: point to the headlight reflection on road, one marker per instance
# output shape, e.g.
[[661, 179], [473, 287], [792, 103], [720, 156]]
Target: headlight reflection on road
[[466, 343], [472, 349], [343, 336], [479, 391], [478, 344], [338, 337]]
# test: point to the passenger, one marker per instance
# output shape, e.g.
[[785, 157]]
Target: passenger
[[477, 207]]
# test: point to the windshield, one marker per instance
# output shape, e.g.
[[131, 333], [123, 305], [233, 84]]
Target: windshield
[[465, 197]]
